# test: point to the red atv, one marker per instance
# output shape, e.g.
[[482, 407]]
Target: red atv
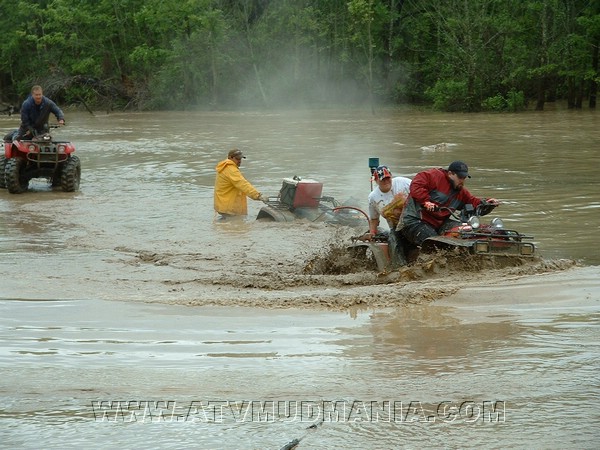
[[40, 157], [470, 237]]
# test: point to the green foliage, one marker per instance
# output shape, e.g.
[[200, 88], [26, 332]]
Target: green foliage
[[514, 101], [455, 55], [496, 103], [448, 95]]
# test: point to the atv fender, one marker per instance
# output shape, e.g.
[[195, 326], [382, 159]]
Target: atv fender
[[437, 242], [268, 213], [380, 253]]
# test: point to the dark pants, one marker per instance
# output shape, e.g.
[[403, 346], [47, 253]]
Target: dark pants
[[9, 137], [398, 248], [22, 134], [419, 231]]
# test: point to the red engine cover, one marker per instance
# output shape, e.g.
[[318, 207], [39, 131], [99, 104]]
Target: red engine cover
[[308, 193]]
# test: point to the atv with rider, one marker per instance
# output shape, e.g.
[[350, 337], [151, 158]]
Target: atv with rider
[[471, 237], [40, 156]]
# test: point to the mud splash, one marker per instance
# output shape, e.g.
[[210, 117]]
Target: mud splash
[[337, 260], [331, 279]]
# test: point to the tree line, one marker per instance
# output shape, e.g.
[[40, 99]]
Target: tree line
[[454, 55]]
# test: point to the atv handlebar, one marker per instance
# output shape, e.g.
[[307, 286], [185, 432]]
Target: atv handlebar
[[468, 210], [485, 205]]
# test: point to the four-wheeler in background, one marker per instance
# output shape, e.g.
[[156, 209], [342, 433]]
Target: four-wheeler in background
[[39, 157]]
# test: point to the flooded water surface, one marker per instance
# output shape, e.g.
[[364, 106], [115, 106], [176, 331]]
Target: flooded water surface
[[129, 316]]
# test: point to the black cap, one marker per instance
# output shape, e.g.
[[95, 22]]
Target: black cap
[[460, 169]]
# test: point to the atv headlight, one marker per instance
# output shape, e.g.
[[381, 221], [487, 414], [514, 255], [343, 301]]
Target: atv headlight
[[527, 249], [482, 247], [497, 222], [31, 148], [474, 222], [61, 148]]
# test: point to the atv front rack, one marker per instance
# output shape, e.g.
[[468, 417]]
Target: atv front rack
[[499, 242], [276, 203]]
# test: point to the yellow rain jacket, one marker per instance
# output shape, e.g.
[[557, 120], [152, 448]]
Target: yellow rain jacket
[[231, 189]]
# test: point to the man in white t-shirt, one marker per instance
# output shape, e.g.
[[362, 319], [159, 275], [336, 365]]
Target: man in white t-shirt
[[387, 201]]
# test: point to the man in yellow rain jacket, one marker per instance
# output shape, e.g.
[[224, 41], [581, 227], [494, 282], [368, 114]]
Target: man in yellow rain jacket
[[231, 188]]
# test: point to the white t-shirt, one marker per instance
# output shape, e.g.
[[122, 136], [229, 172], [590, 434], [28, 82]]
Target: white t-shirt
[[379, 200]]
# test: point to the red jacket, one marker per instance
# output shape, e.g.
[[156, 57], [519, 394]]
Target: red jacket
[[433, 185]]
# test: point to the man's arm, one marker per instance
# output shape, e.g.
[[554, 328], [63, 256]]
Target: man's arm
[[420, 187], [25, 126], [373, 224], [467, 198], [25, 121], [57, 111], [373, 214], [238, 180]]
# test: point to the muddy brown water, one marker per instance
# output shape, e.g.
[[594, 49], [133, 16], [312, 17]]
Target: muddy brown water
[[130, 314]]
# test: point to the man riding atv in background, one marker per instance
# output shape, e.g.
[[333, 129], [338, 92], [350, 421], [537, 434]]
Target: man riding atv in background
[[31, 152], [35, 112], [434, 195]]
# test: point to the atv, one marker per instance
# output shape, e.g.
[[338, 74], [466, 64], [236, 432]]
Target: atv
[[302, 199], [471, 237], [39, 157]]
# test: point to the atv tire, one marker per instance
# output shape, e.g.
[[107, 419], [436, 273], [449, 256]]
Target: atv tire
[[71, 174], [16, 182], [2, 170]]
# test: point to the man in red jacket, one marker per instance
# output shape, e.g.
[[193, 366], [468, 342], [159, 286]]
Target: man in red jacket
[[430, 190]]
